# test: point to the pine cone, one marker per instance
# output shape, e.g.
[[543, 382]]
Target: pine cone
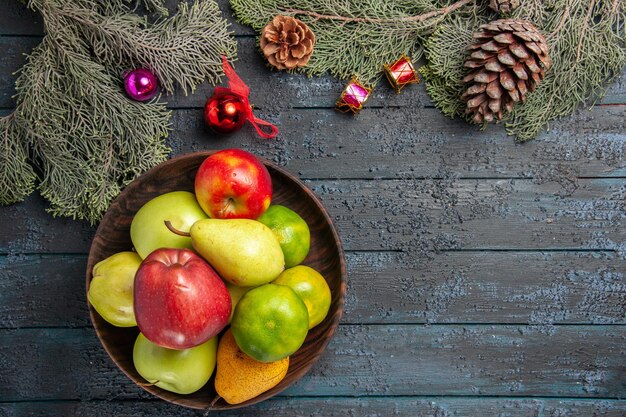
[[508, 59], [287, 42], [503, 6]]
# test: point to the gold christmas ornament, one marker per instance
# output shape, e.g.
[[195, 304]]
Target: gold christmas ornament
[[287, 42], [508, 59]]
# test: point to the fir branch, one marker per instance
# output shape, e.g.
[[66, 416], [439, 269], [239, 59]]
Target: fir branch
[[17, 177], [155, 6], [587, 48], [82, 141], [183, 50], [586, 37], [72, 120], [445, 54], [357, 37], [418, 18]]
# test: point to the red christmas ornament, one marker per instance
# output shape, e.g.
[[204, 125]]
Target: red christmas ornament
[[353, 97], [225, 113], [401, 73], [228, 109]]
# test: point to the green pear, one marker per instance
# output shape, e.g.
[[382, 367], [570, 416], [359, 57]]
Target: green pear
[[111, 288], [148, 231], [244, 252]]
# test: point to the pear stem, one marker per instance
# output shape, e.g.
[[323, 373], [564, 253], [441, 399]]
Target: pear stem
[[174, 230], [215, 400]]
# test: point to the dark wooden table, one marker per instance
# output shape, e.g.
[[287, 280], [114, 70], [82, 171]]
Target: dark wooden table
[[485, 277]]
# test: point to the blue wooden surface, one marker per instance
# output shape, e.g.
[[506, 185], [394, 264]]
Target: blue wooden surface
[[485, 277]]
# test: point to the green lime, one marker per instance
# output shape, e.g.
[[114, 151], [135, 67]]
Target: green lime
[[270, 322], [291, 231], [311, 287]]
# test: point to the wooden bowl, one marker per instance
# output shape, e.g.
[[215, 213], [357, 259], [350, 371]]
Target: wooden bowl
[[326, 256]]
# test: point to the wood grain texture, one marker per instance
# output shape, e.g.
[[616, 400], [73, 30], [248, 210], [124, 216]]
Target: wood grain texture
[[336, 407], [445, 225], [425, 216], [279, 90], [420, 143], [541, 289], [418, 216], [361, 360]]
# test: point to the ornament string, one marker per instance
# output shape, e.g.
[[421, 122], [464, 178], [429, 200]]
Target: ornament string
[[239, 88]]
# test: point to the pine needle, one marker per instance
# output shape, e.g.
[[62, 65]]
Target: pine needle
[[587, 46], [183, 50], [17, 177], [357, 37], [73, 130], [587, 41], [82, 141]]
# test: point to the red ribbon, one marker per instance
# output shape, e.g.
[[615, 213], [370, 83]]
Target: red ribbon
[[237, 87]]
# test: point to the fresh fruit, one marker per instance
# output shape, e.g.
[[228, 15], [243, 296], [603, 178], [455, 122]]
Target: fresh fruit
[[239, 377], [180, 371], [179, 300], [111, 288], [244, 252], [148, 231], [291, 231], [233, 184], [270, 322], [311, 287], [236, 292]]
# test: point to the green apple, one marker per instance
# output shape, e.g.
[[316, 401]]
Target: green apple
[[111, 288], [180, 371], [148, 231]]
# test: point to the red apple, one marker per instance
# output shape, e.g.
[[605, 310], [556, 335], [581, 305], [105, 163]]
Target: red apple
[[179, 300], [233, 184]]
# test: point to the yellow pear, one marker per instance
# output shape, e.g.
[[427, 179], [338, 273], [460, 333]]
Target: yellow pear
[[240, 377], [244, 252], [111, 288]]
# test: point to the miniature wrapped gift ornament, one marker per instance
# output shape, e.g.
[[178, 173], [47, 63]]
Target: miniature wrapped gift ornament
[[401, 73], [353, 97]]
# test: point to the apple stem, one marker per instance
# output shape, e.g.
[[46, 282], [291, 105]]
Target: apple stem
[[174, 230]]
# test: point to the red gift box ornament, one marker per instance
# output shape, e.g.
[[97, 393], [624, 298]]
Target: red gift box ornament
[[228, 109], [401, 73], [353, 97]]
